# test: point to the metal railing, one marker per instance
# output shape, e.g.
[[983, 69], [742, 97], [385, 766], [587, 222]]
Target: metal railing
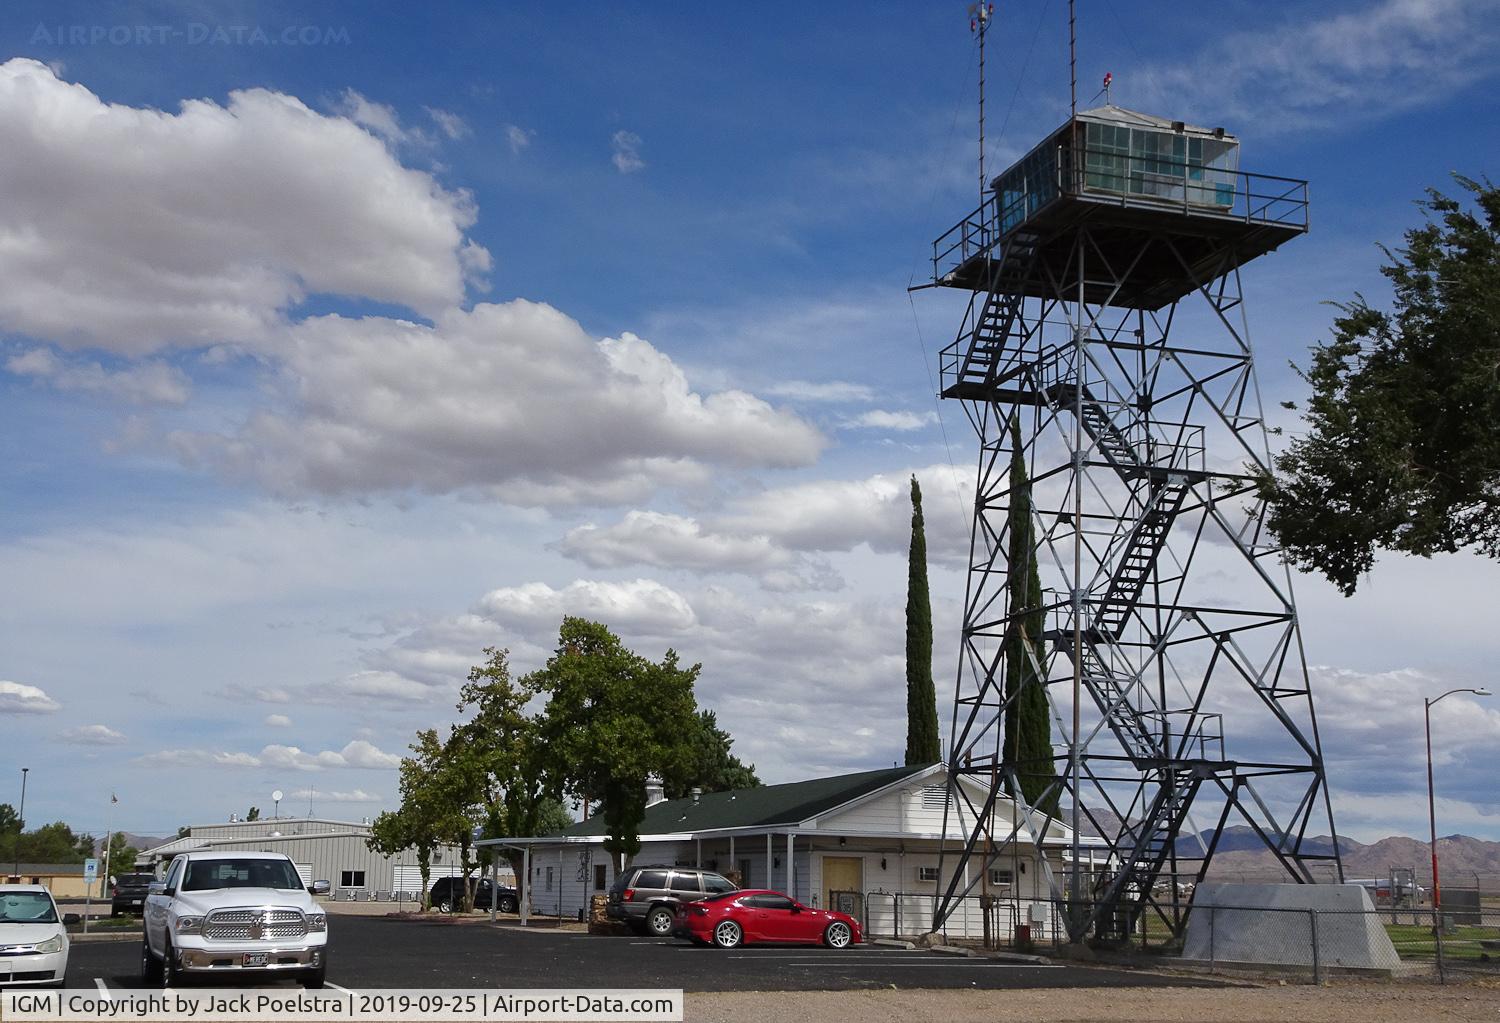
[[1127, 180]]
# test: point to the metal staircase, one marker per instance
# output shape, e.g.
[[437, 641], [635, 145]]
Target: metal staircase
[[1000, 311], [1142, 548]]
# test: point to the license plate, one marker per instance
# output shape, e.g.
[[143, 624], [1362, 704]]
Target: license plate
[[256, 959]]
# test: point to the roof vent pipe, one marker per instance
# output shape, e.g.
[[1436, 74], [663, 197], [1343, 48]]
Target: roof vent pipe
[[696, 793], [655, 791]]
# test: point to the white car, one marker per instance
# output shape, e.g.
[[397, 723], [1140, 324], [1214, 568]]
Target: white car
[[33, 943], [233, 913]]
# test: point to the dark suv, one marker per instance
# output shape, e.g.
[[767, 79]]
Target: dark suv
[[129, 893], [448, 892], [647, 897]]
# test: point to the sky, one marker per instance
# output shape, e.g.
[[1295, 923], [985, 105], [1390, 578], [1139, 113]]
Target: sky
[[339, 342]]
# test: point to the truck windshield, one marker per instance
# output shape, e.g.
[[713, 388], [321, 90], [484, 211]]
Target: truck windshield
[[207, 875]]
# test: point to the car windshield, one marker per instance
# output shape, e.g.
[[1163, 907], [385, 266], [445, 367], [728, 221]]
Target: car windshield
[[27, 908], [206, 875]]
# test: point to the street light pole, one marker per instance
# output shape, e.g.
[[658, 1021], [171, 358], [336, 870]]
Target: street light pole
[[20, 823], [1437, 898]]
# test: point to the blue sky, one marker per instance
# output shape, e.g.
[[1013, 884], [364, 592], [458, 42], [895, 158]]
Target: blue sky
[[340, 342]]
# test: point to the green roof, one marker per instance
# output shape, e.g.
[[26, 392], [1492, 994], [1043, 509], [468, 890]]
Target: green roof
[[766, 806]]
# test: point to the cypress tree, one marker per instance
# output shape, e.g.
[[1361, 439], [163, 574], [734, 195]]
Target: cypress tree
[[922, 743], [1028, 726]]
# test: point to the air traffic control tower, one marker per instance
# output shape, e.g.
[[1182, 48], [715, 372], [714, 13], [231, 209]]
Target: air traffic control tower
[[1106, 343]]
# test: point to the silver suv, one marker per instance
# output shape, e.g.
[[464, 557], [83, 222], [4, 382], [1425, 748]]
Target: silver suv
[[646, 898]]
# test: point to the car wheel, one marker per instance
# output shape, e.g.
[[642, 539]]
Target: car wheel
[[445, 906], [838, 935], [150, 965], [508, 904], [728, 934], [659, 921]]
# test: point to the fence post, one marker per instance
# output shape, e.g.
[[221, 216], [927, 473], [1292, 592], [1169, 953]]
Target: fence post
[[1437, 934], [1211, 916], [1317, 958]]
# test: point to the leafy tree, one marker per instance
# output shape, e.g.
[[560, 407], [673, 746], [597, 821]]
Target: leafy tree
[[120, 854], [1402, 451], [709, 764], [252, 814], [612, 718], [923, 744], [1028, 725], [426, 816], [552, 818], [51, 843]]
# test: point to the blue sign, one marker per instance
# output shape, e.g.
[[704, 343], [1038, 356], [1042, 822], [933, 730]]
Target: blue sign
[[90, 870]]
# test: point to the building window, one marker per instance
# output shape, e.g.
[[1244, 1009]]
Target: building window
[[599, 877], [927, 874], [351, 879], [549, 879], [1001, 877]]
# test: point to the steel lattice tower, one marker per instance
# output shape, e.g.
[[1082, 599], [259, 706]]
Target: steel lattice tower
[[1105, 314]]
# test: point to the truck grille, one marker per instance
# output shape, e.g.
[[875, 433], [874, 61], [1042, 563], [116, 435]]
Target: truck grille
[[253, 924]]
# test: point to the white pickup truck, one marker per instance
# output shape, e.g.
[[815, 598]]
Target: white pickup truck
[[233, 913]]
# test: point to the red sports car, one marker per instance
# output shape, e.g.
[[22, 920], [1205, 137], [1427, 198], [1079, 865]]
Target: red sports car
[[735, 918]]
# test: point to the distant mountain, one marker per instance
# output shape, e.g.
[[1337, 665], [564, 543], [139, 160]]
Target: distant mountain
[[141, 842]]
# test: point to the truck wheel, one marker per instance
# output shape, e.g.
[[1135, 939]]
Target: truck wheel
[[314, 978], [172, 975], [445, 906], [508, 904], [150, 965]]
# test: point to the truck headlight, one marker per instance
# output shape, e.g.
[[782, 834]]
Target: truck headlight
[[189, 925], [317, 922], [52, 944]]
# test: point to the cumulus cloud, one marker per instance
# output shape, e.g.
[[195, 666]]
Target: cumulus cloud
[[627, 152], [146, 383], [1328, 69], [486, 398], [336, 796], [278, 721], [358, 754], [831, 391], [18, 698], [92, 735], [129, 229], [642, 605]]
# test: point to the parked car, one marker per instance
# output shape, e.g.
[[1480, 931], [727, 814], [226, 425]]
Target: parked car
[[33, 937], [646, 897], [129, 893], [737, 918], [447, 894], [235, 914]]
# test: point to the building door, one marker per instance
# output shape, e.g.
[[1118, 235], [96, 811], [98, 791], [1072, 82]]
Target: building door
[[843, 874]]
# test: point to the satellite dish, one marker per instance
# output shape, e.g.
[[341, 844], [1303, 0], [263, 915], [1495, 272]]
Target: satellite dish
[[276, 796]]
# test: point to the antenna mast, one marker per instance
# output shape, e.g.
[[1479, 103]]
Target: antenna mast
[[1072, 59], [979, 21]]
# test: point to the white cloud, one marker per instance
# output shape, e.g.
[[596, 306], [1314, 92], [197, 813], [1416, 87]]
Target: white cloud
[[639, 605], [17, 698], [278, 721], [832, 391], [335, 796], [92, 735], [518, 138], [449, 123], [627, 152], [486, 398], [358, 754], [880, 419], [1317, 71], [129, 229], [146, 383], [378, 118]]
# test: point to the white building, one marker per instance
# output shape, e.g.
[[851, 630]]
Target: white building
[[867, 843], [323, 850]]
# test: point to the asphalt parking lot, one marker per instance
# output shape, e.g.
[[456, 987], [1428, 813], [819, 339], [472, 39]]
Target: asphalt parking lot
[[376, 952]]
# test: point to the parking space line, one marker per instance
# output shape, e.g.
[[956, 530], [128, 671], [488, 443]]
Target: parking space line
[[339, 987], [103, 988]]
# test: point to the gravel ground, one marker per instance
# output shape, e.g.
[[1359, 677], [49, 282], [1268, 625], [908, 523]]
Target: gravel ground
[[1335, 1003]]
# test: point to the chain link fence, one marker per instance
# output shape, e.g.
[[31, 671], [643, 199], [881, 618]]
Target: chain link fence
[[1402, 936]]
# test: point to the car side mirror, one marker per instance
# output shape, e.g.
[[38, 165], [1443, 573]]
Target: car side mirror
[[156, 888], [320, 888], [72, 919]]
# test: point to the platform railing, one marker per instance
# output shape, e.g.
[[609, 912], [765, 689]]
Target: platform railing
[[1127, 180]]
